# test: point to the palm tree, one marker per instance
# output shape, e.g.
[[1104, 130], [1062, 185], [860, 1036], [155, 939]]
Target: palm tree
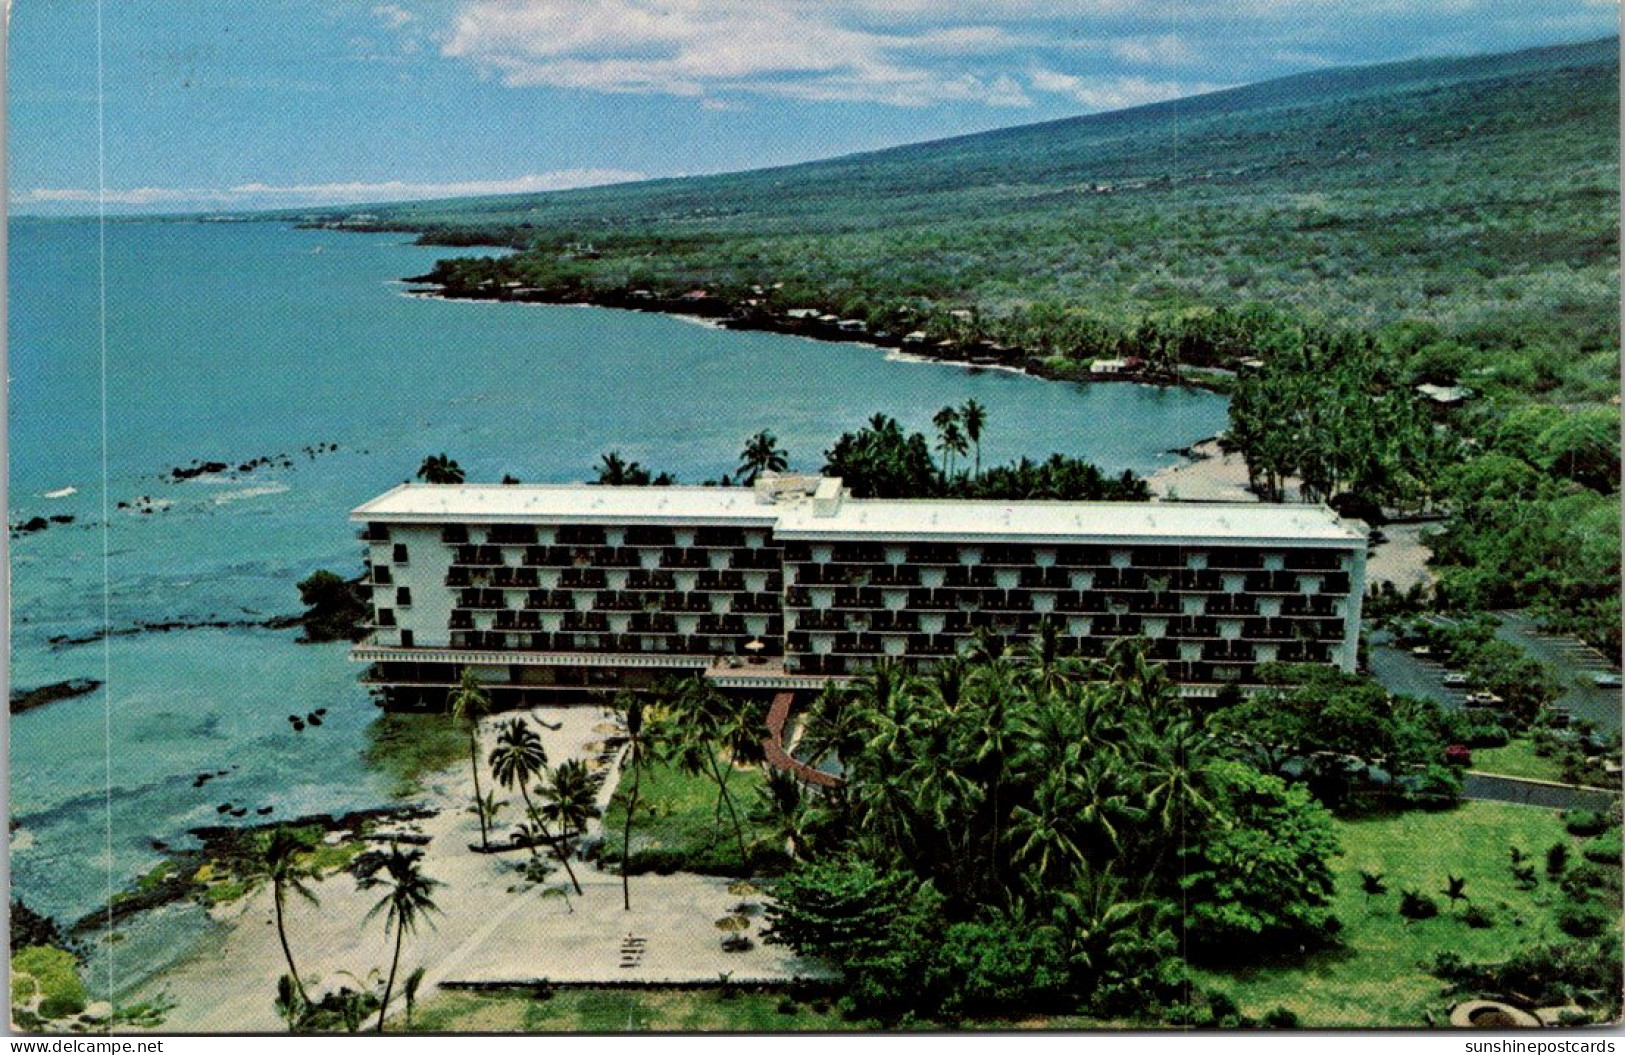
[[1373, 885], [762, 453], [630, 704], [408, 899], [439, 469], [1455, 888], [279, 858], [467, 703], [568, 798], [518, 759], [616, 471], [1042, 833], [974, 416], [486, 808], [950, 439], [698, 722]]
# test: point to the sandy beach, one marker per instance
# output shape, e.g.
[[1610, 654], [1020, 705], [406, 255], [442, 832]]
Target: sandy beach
[[1211, 475], [1207, 475], [492, 926]]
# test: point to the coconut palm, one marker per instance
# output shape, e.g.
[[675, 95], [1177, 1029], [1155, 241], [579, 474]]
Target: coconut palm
[[518, 759], [568, 797], [698, 722], [467, 703], [487, 807], [950, 439], [408, 899], [974, 416], [439, 469], [762, 454], [616, 471], [1043, 832], [639, 752], [280, 859]]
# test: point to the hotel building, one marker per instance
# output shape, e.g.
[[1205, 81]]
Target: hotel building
[[551, 590]]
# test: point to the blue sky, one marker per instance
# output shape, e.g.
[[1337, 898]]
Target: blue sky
[[228, 106]]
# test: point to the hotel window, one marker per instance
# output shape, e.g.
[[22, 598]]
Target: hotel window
[[403, 597], [386, 617], [399, 556], [406, 639]]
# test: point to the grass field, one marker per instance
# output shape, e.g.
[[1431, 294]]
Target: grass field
[[1516, 759], [626, 1011], [678, 827], [1377, 977]]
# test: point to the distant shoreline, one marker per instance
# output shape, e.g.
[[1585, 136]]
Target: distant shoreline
[[728, 315]]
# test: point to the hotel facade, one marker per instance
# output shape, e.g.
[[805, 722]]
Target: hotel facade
[[549, 591]]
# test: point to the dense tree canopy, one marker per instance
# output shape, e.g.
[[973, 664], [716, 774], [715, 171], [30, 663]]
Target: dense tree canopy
[[1023, 814]]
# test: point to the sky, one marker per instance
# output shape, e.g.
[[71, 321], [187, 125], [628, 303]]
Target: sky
[[224, 106]]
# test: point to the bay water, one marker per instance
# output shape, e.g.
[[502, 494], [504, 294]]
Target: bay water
[[236, 341]]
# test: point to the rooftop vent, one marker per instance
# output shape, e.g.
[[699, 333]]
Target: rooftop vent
[[827, 497]]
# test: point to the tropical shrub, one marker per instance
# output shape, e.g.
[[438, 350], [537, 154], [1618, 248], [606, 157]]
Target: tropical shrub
[[50, 974]]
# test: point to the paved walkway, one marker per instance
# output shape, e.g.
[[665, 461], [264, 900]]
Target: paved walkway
[[779, 758]]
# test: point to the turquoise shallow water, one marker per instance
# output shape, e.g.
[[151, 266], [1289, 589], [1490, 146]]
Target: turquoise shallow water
[[230, 341]]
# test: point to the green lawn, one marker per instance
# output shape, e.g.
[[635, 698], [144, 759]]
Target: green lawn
[[1516, 759], [1377, 976], [625, 1011], [677, 826]]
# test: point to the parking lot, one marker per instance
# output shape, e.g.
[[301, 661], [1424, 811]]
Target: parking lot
[[1575, 664]]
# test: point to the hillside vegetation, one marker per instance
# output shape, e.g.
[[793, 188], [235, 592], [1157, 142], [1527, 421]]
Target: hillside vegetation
[[1463, 202]]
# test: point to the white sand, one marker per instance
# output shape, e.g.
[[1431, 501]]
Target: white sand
[[1209, 476], [492, 926]]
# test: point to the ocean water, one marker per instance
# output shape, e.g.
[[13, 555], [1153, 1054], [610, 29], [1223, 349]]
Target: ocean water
[[229, 342]]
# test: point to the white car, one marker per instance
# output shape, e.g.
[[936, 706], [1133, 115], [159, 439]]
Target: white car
[[1484, 699], [1457, 681], [1422, 651], [1606, 681]]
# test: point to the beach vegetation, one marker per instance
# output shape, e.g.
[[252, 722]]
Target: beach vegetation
[[761, 454], [45, 982], [518, 760], [280, 859], [406, 748], [467, 704], [335, 609], [439, 469], [407, 902]]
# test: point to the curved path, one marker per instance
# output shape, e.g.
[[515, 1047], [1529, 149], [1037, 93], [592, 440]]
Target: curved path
[[779, 758]]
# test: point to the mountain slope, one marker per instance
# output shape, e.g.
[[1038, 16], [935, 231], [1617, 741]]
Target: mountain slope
[[1477, 195]]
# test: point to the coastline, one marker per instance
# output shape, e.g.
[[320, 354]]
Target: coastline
[[719, 313], [492, 928]]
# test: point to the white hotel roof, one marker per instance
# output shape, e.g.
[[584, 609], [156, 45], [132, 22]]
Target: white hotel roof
[[1171, 522]]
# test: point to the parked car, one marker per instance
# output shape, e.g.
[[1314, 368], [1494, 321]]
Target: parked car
[[1457, 680], [1606, 681], [1484, 699], [1422, 651]]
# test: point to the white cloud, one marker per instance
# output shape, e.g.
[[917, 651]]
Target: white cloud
[[1166, 50], [786, 48], [1113, 93], [266, 195], [393, 15]]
